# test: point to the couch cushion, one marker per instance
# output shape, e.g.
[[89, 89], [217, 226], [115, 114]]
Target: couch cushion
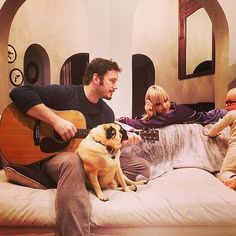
[[18, 178], [24, 206], [31, 176], [184, 197]]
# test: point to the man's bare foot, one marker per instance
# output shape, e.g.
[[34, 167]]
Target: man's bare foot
[[231, 182]]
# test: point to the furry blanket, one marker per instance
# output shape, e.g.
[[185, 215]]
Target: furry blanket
[[181, 146]]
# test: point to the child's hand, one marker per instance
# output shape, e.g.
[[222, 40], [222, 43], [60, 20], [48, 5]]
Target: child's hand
[[149, 108], [205, 131]]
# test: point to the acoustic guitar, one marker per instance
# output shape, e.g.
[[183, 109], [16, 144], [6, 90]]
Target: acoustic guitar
[[25, 140]]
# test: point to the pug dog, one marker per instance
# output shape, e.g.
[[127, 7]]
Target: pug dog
[[100, 154]]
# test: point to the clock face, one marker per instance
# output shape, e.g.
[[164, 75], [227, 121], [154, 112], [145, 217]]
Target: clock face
[[11, 54], [16, 77]]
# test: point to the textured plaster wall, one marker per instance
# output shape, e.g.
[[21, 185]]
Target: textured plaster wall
[[117, 29]]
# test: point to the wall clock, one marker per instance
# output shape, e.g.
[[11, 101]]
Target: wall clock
[[32, 72], [16, 77], [11, 53]]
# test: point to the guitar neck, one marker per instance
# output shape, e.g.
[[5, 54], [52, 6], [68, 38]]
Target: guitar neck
[[82, 133], [145, 134], [148, 135]]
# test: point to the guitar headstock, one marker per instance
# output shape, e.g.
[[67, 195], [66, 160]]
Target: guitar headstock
[[149, 134]]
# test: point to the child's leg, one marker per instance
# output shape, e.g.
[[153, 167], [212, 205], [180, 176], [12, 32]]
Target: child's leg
[[228, 169]]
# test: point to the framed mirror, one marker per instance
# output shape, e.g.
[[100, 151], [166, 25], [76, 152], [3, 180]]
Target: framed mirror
[[196, 41]]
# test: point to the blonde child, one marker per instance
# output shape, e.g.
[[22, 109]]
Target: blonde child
[[228, 169], [161, 111], [156, 101]]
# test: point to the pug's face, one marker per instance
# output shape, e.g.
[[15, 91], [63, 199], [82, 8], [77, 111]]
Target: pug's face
[[110, 134]]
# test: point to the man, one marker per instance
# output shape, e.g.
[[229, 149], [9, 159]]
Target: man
[[66, 169]]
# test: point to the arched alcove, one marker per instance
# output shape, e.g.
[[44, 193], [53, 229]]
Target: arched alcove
[[19, 28], [73, 69], [36, 65], [143, 75], [7, 13]]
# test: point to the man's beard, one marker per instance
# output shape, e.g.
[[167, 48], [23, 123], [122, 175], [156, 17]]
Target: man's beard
[[107, 98]]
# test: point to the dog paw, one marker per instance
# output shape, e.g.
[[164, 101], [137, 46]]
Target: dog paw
[[133, 188], [103, 197]]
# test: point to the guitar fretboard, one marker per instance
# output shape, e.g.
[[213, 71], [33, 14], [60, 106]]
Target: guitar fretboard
[[82, 133], [152, 135]]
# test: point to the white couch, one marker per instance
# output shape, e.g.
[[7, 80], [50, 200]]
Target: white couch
[[183, 198]]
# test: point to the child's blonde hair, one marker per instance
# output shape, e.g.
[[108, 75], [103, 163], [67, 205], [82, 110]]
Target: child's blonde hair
[[156, 94]]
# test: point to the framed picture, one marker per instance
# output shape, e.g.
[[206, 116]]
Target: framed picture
[[16, 77], [32, 72], [11, 53]]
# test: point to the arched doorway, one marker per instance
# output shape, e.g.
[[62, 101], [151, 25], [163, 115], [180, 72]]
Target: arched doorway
[[73, 69], [36, 65], [8, 11], [143, 75]]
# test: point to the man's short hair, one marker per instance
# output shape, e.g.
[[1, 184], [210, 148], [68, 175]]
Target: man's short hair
[[99, 66]]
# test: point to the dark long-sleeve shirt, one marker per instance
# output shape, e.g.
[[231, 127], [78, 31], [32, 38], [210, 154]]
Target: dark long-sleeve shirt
[[63, 97]]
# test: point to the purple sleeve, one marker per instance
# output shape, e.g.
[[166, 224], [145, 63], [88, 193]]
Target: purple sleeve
[[140, 124], [179, 114]]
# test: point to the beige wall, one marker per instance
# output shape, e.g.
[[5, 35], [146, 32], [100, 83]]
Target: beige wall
[[61, 29], [229, 8], [102, 30], [156, 35], [110, 24], [117, 29]]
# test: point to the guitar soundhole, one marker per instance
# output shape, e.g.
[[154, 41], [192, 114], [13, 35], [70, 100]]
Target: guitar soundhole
[[58, 137], [50, 145]]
